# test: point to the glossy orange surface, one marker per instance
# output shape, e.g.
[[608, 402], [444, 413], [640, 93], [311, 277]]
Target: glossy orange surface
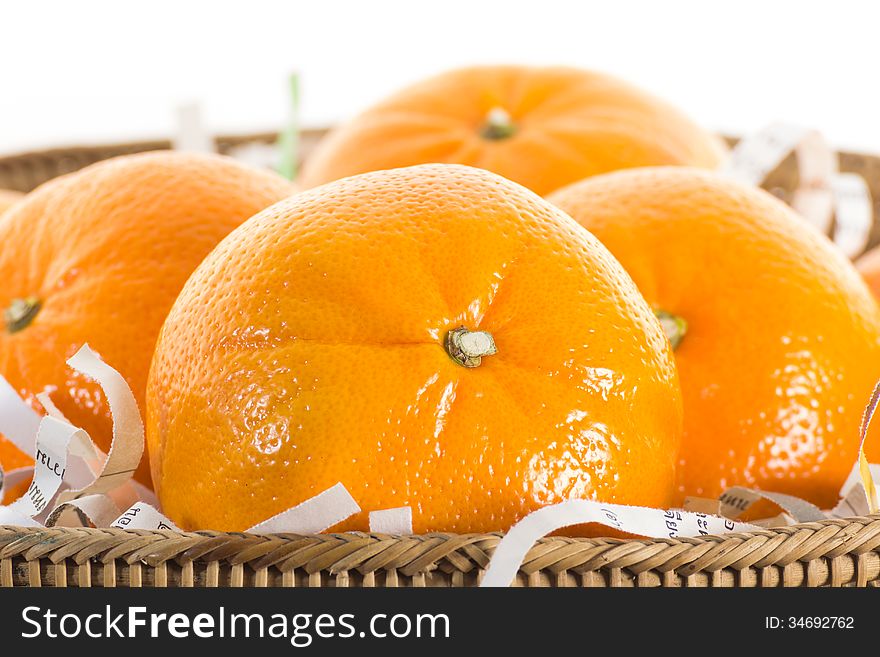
[[782, 348], [564, 124], [308, 349], [105, 251]]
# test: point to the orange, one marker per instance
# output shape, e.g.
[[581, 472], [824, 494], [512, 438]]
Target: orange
[[326, 340], [868, 265], [99, 256], [778, 338], [8, 198], [541, 127]]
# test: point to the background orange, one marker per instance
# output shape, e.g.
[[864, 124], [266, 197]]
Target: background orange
[[782, 347], [104, 253], [540, 127]]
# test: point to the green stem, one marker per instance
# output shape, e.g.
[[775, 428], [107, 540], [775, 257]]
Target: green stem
[[498, 125], [674, 327], [467, 348], [21, 313]]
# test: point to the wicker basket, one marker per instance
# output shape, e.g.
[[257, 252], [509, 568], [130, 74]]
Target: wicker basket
[[829, 553]]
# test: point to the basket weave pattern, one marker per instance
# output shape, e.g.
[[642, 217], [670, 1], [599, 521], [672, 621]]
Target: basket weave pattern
[[26, 171], [828, 553]]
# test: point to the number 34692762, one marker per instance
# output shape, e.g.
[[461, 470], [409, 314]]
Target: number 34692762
[[810, 622]]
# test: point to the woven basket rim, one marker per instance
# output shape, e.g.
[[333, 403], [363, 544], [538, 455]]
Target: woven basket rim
[[809, 553], [223, 141]]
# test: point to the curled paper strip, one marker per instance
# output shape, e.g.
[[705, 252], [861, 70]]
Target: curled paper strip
[[313, 516], [395, 522], [9, 516], [82, 462], [653, 523], [53, 437], [757, 155], [853, 212], [96, 510], [191, 133], [127, 446], [707, 505], [855, 477], [738, 499], [864, 467], [51, 409], [823, 193], [143, 516], [853, 503], [18, 421], [779, 520]]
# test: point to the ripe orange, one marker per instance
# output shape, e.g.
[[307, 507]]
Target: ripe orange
[[8, 198], [541, 127], [99, 256], [319, 343], [779, 338]]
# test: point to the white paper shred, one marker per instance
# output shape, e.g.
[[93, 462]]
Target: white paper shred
[[84, 459], [191, 134], [143, 516], [854, 503], [865, 472], [313, 516], [9, 516], [18, 421], [779, 520], [757, 155], [738, 499], [855, 477], [708, 505], [127, 446], [45, 399], [96, 510], [853, 213], [824, 194], [50, 462], [395, 522], [642, 521]]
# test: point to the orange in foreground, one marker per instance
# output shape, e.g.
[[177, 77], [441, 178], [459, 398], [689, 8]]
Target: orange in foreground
[[777, 340], [541, 127], [433, 336], [99, 256]]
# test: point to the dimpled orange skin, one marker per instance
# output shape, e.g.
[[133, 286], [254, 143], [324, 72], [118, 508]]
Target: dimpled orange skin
[[782, 347], [308, 349], [106, 251], [567, 124]]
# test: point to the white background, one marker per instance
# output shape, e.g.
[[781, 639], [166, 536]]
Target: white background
[[96, 71]]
